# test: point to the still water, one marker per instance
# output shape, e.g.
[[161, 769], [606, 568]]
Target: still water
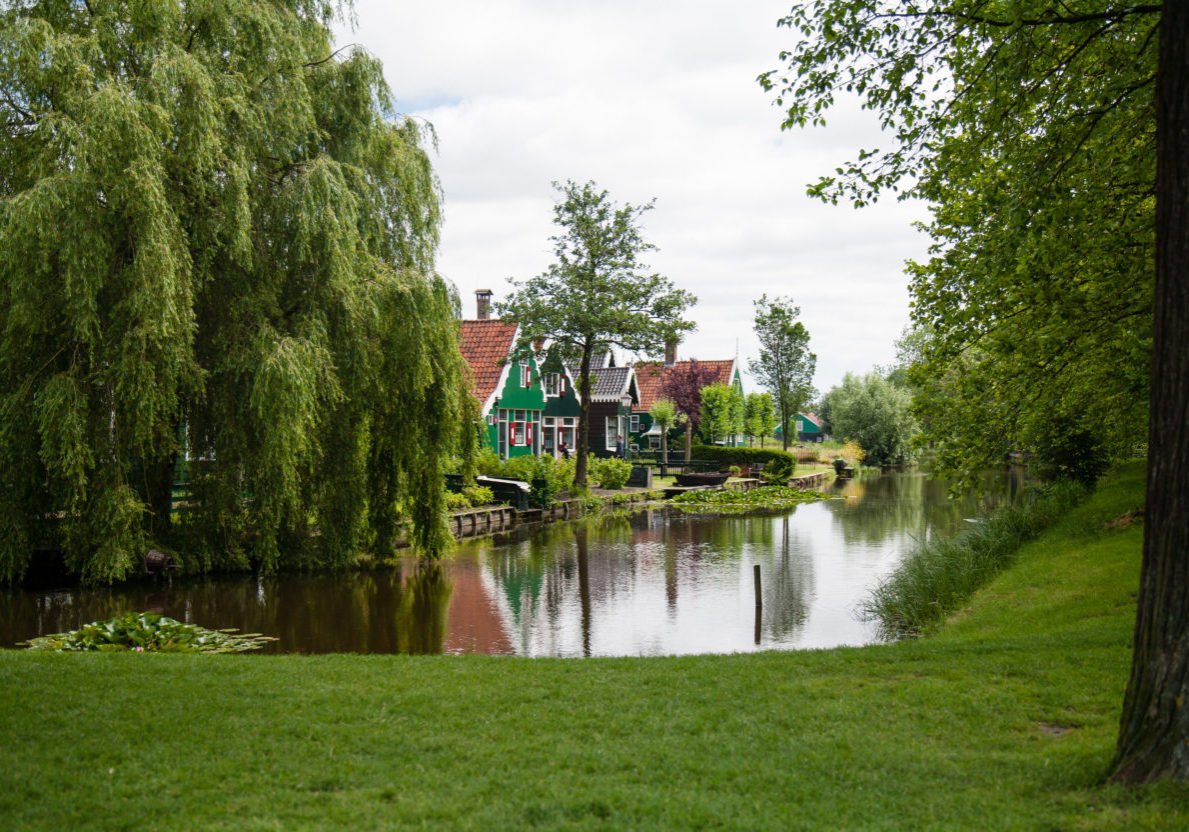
[[656, 582]]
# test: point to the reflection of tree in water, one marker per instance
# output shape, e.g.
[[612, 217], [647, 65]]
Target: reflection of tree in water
[[424, 607], [879, 507], [372, 611], [540, 574], [788, 580]]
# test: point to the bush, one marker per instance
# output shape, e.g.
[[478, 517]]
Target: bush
[[779, 470], [456, 501], [610, 473], [545, 475], [478, 495], [839, 465], [736, 471]]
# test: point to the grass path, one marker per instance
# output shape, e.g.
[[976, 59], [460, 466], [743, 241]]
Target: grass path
[[1003, 719]]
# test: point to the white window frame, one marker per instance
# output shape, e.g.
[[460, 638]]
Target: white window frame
[[526, 374], [611, 423], [635, 423]]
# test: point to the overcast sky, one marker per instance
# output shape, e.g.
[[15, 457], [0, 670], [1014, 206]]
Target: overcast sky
[[648, 99]]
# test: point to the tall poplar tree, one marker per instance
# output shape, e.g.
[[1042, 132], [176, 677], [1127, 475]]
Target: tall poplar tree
[[1051, 140], [785, 365], [599, 294], [216, 245]]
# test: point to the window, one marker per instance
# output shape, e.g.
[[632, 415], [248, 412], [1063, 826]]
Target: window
[[553, 384], [516, 433], [526, 374], [612, 424], [635, 424], [654, 442], [800, 425]]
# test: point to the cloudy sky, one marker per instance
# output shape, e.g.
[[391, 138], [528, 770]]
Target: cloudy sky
[[650, 99]]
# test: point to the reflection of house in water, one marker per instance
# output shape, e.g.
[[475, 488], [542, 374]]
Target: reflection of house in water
[[474, 624]]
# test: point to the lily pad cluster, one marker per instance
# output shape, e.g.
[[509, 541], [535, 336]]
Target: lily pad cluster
[[146, 632], [735, 502]]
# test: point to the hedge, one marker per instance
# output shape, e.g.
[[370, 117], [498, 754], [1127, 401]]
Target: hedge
[[726, 457]]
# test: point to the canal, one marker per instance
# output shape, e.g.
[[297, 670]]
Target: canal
[[655, 582]]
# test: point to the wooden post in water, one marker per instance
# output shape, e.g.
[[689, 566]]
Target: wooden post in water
[[759, 601]]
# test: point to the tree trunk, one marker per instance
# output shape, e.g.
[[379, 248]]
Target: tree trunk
[[689, 440], [1154, 727], [583, 418]]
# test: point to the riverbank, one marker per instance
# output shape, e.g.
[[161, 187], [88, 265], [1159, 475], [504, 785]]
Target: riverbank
[[1004, 719]]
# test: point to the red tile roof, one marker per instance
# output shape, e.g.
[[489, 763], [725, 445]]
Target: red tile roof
[[485, 345], [650, 377]]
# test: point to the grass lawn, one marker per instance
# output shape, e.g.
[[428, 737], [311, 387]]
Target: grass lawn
[[1004, 718]]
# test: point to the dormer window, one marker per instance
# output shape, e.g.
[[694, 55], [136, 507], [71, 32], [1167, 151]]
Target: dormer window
[[526, 374]]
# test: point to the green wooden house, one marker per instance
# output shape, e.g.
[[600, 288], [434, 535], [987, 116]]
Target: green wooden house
[[527, 401]]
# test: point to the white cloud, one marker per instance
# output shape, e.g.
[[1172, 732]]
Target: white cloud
[[649, 99]]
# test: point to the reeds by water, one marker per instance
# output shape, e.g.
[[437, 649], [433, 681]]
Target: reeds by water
[[941, 575]]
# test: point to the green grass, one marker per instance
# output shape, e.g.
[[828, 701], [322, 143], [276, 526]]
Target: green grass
[[1004, 719]]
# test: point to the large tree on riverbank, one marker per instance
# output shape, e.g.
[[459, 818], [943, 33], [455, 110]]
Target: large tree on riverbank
[[1060, 199], [216, 241], [599, 293]]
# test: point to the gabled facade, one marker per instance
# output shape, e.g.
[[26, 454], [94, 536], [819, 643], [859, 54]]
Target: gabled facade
[[507, 384], [562, 405], [613, 395], [809, 428], [527, 402]]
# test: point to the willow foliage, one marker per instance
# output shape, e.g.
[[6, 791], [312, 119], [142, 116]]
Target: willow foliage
[[216, 245]]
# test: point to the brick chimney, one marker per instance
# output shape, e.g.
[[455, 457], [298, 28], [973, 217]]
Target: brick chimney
[[483, 304], [670, 352]]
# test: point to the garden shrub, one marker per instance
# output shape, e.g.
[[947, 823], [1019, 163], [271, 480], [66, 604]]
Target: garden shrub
[[456, 501], [610, 473], [779, 470], [478, 495]]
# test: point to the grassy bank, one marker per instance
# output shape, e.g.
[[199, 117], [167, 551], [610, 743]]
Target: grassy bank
[[1004, 719]]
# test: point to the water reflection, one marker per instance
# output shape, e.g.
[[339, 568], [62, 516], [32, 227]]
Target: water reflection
[[657, 582]]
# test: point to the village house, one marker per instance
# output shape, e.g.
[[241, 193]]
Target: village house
[[528, 403], [650, 377], [613, 395]]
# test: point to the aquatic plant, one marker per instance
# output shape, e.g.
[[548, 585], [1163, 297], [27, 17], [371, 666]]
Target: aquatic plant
[[736, 502], [147, 632]]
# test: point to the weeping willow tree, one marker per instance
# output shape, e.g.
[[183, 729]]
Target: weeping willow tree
[[216, 253]]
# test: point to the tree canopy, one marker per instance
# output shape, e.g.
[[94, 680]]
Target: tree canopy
[[875, 413], [722, 412], [760, 416], [216, 252], [785, 365], [1039, 284], [598, 294], [1049, 139], [682, 384]]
